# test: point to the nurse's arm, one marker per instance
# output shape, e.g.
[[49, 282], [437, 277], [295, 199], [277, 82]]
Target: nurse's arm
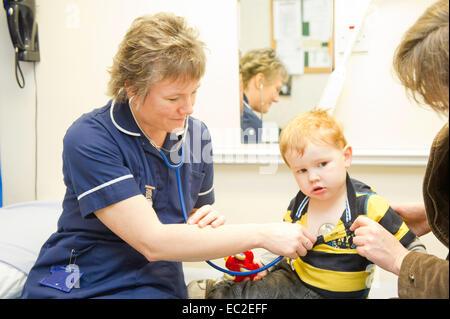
[[135, 221]]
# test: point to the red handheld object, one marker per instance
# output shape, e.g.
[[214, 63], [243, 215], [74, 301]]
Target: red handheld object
[[241, 262]]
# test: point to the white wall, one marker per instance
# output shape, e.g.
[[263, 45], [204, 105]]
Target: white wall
[[17, 124], [77, 42], [373, 106]]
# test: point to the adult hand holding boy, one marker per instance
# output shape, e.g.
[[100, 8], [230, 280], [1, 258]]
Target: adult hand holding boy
[[375, 243]]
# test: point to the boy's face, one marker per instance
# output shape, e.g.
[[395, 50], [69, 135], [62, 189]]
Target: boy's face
[[321, 171]]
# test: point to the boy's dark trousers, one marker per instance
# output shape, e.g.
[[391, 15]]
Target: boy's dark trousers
[[280, 283]]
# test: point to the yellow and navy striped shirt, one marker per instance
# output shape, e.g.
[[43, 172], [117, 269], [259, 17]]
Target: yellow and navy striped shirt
[[333, 268]]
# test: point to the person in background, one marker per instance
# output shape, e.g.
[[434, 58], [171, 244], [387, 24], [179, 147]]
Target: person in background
[[422, 64], [263, 75]]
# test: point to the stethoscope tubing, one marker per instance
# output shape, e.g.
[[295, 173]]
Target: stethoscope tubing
[[183, 209]]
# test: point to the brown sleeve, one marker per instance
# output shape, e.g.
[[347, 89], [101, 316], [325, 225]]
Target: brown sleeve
[[436, 186], [423, 276]]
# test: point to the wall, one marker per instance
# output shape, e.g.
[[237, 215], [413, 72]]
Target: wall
[[17, 124], [373, 106], [77, 42]]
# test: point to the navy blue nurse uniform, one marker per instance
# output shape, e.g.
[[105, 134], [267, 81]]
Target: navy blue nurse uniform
[[251, 125], [106, 159]]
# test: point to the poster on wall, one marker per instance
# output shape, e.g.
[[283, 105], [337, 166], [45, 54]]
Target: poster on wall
[[303, 34]]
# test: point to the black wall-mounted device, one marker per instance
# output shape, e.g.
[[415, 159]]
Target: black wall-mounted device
[[23, 29]]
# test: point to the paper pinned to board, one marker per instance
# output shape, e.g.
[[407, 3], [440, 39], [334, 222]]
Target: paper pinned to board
[[318, 13], [287, 33], [291, 53], [287, 17], [303, 34]]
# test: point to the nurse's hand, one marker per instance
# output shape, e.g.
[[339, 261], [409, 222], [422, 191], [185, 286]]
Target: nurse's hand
[[289, 240], [206, 216]]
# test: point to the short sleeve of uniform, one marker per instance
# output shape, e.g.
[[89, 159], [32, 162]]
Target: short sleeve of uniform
[[206, 193], [93, 167]]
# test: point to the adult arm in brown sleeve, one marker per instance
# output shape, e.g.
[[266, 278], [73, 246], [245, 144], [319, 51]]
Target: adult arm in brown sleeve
[[423, 276]]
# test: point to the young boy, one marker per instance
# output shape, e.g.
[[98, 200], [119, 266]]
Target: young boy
[[315, 149]]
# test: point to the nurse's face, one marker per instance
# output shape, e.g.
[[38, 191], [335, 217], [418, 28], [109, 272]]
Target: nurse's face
[[165, 107], [271, 93]]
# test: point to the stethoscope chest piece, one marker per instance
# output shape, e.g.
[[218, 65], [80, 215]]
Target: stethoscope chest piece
[[325, 229]]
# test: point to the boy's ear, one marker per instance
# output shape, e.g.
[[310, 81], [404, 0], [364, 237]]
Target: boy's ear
[[348, 156]]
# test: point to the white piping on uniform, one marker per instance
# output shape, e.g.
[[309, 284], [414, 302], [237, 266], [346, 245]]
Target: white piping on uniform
[[104, 185], [207, 192], [117, 125]]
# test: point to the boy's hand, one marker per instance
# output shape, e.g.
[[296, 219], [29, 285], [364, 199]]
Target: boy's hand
[[261, 274], [206, 215]]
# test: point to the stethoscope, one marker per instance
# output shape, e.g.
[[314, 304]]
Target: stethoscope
[[177, 167], [321, 239]]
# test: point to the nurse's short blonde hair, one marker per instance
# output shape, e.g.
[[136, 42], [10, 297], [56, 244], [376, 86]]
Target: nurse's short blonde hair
[[421, 59], [156, 47], [263, 61], [315, 126]]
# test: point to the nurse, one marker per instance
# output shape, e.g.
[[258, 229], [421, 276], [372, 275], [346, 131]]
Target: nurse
[[122, 233], [263, 75]]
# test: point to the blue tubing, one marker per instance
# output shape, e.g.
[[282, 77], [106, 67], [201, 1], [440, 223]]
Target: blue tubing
[[245, 273], [227, 271], [183, 209]]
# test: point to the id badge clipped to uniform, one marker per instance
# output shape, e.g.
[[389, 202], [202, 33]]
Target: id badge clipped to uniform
[[63, 278]]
